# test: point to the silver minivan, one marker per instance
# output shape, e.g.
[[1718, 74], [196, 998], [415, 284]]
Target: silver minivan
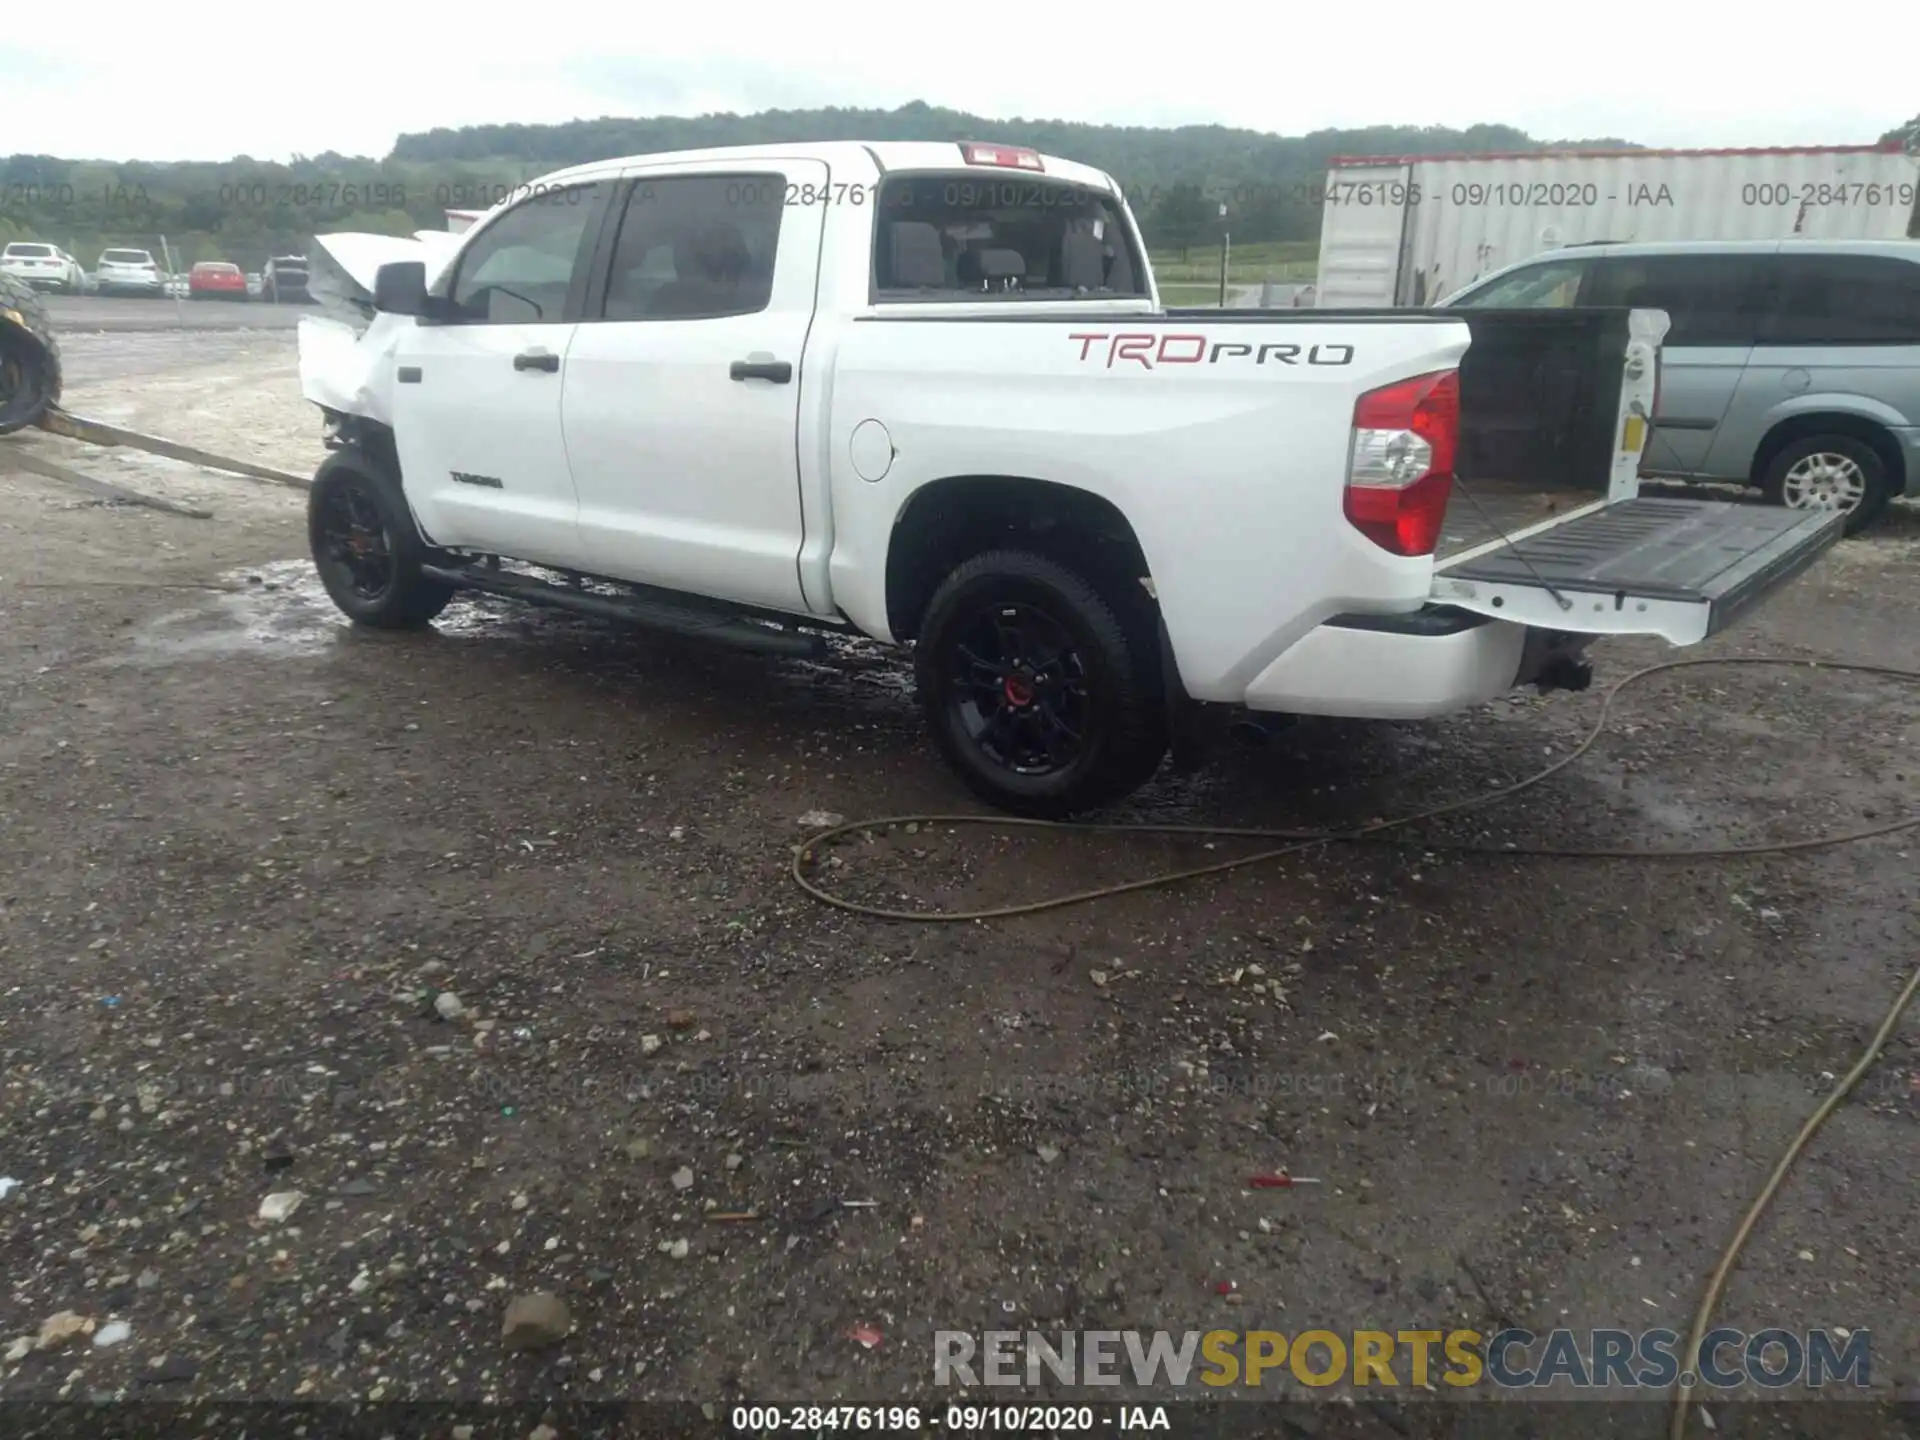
[[1793, 365]]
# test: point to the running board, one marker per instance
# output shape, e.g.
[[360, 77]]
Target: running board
[[653, 614], [1680, 569]]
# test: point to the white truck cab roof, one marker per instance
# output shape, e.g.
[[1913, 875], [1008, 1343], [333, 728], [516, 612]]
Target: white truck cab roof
[[850, 157]]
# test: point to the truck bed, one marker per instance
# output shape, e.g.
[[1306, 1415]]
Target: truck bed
[[1483, 510], [1539, 401], [1539, 398]]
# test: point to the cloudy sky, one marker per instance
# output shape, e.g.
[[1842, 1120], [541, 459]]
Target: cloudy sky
[[173, 83]]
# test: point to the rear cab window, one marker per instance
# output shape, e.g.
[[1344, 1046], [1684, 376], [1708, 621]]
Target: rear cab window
[[973, 236], [126, 257]]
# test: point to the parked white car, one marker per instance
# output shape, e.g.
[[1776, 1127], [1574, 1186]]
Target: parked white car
[[926, 392], [43, 266], [129, 272]]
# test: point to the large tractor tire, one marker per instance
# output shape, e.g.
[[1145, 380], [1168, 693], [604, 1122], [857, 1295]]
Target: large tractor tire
[[29, 357]]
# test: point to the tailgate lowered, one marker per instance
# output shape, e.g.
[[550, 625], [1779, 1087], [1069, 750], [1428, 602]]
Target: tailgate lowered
[[1680, 569]]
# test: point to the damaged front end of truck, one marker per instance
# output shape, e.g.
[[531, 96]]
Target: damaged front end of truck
[[346, 352]]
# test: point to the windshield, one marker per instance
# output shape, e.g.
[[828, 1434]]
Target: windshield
[[19, 249], [978, 235], [126, 257]]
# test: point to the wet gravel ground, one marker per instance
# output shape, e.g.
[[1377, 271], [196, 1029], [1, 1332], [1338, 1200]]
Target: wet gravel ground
[[481, 942]]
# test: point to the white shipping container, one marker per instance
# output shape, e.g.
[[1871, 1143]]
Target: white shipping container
[[1411, 230]]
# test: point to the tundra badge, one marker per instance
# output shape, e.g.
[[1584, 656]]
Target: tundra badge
[[485, 482]]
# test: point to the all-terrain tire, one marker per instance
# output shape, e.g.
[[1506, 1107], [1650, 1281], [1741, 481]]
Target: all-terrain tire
[[29, 356], [1085, 700], [355, 515]]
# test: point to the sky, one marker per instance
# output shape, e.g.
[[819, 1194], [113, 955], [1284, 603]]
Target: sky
[[274, 81]]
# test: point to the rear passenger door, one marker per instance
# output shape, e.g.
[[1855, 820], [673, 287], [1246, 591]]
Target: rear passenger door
[[1714, 303], [684, 383], [1842, 335]]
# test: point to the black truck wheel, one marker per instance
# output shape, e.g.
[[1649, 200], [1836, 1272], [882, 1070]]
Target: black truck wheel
[[367, 550], [1036, 691], [29, 357]]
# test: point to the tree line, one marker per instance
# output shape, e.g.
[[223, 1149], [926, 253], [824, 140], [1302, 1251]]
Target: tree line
[[245, 210]]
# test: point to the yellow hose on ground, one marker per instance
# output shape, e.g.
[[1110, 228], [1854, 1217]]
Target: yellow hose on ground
[[1376, 833]]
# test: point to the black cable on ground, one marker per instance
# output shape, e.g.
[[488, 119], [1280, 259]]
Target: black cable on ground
[[1377, 833]]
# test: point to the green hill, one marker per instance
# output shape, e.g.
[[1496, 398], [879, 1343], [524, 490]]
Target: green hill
[[245, 210]]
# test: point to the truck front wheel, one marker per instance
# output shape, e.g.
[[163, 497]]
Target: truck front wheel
[[1037, 692], [367, 550]]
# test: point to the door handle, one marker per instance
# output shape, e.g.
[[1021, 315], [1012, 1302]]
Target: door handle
[[780, 372], [537, 360]]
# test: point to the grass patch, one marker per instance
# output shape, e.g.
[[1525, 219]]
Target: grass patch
[[1291, 260], [1179, 293]]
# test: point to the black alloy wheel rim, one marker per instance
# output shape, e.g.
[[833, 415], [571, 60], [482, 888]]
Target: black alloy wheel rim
[[355, 542], [1019, 689]]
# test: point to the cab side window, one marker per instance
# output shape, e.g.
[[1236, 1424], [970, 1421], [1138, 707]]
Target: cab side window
[[518, 270], [696, 247]]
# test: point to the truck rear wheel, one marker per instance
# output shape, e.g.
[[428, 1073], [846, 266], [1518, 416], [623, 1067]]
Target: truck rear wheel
[[367, 550], [1036, 692]]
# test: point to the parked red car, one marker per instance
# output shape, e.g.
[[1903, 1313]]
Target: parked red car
[[218, 280]]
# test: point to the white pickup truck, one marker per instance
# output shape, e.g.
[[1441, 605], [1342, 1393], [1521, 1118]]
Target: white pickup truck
[[927, 392]]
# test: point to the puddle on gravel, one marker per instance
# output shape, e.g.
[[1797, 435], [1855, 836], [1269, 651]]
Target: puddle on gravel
[[279, 610], [282, 611]]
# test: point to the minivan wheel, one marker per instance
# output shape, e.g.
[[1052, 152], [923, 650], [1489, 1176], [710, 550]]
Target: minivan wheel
[[1830, 472], [367, 550], [1036, 693]]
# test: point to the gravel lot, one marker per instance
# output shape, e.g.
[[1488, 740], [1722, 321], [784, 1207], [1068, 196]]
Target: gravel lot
[[79, 314], [249, 853]]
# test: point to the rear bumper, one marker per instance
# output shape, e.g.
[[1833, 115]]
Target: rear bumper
[[1399, 667], [43, 279]]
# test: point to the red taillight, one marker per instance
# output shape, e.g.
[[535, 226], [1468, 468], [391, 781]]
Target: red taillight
[[1400, 476], [1011, 157]]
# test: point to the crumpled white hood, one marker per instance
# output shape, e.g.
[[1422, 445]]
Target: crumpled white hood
[[360, 256], [346, 352]]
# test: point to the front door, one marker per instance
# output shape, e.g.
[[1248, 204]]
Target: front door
[[1714, 303], [477, 392], [684, 383]]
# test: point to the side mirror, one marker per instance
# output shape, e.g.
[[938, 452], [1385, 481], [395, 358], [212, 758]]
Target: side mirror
[[400, 288]]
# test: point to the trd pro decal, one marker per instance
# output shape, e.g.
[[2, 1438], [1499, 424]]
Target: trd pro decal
[[1151, 351]]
